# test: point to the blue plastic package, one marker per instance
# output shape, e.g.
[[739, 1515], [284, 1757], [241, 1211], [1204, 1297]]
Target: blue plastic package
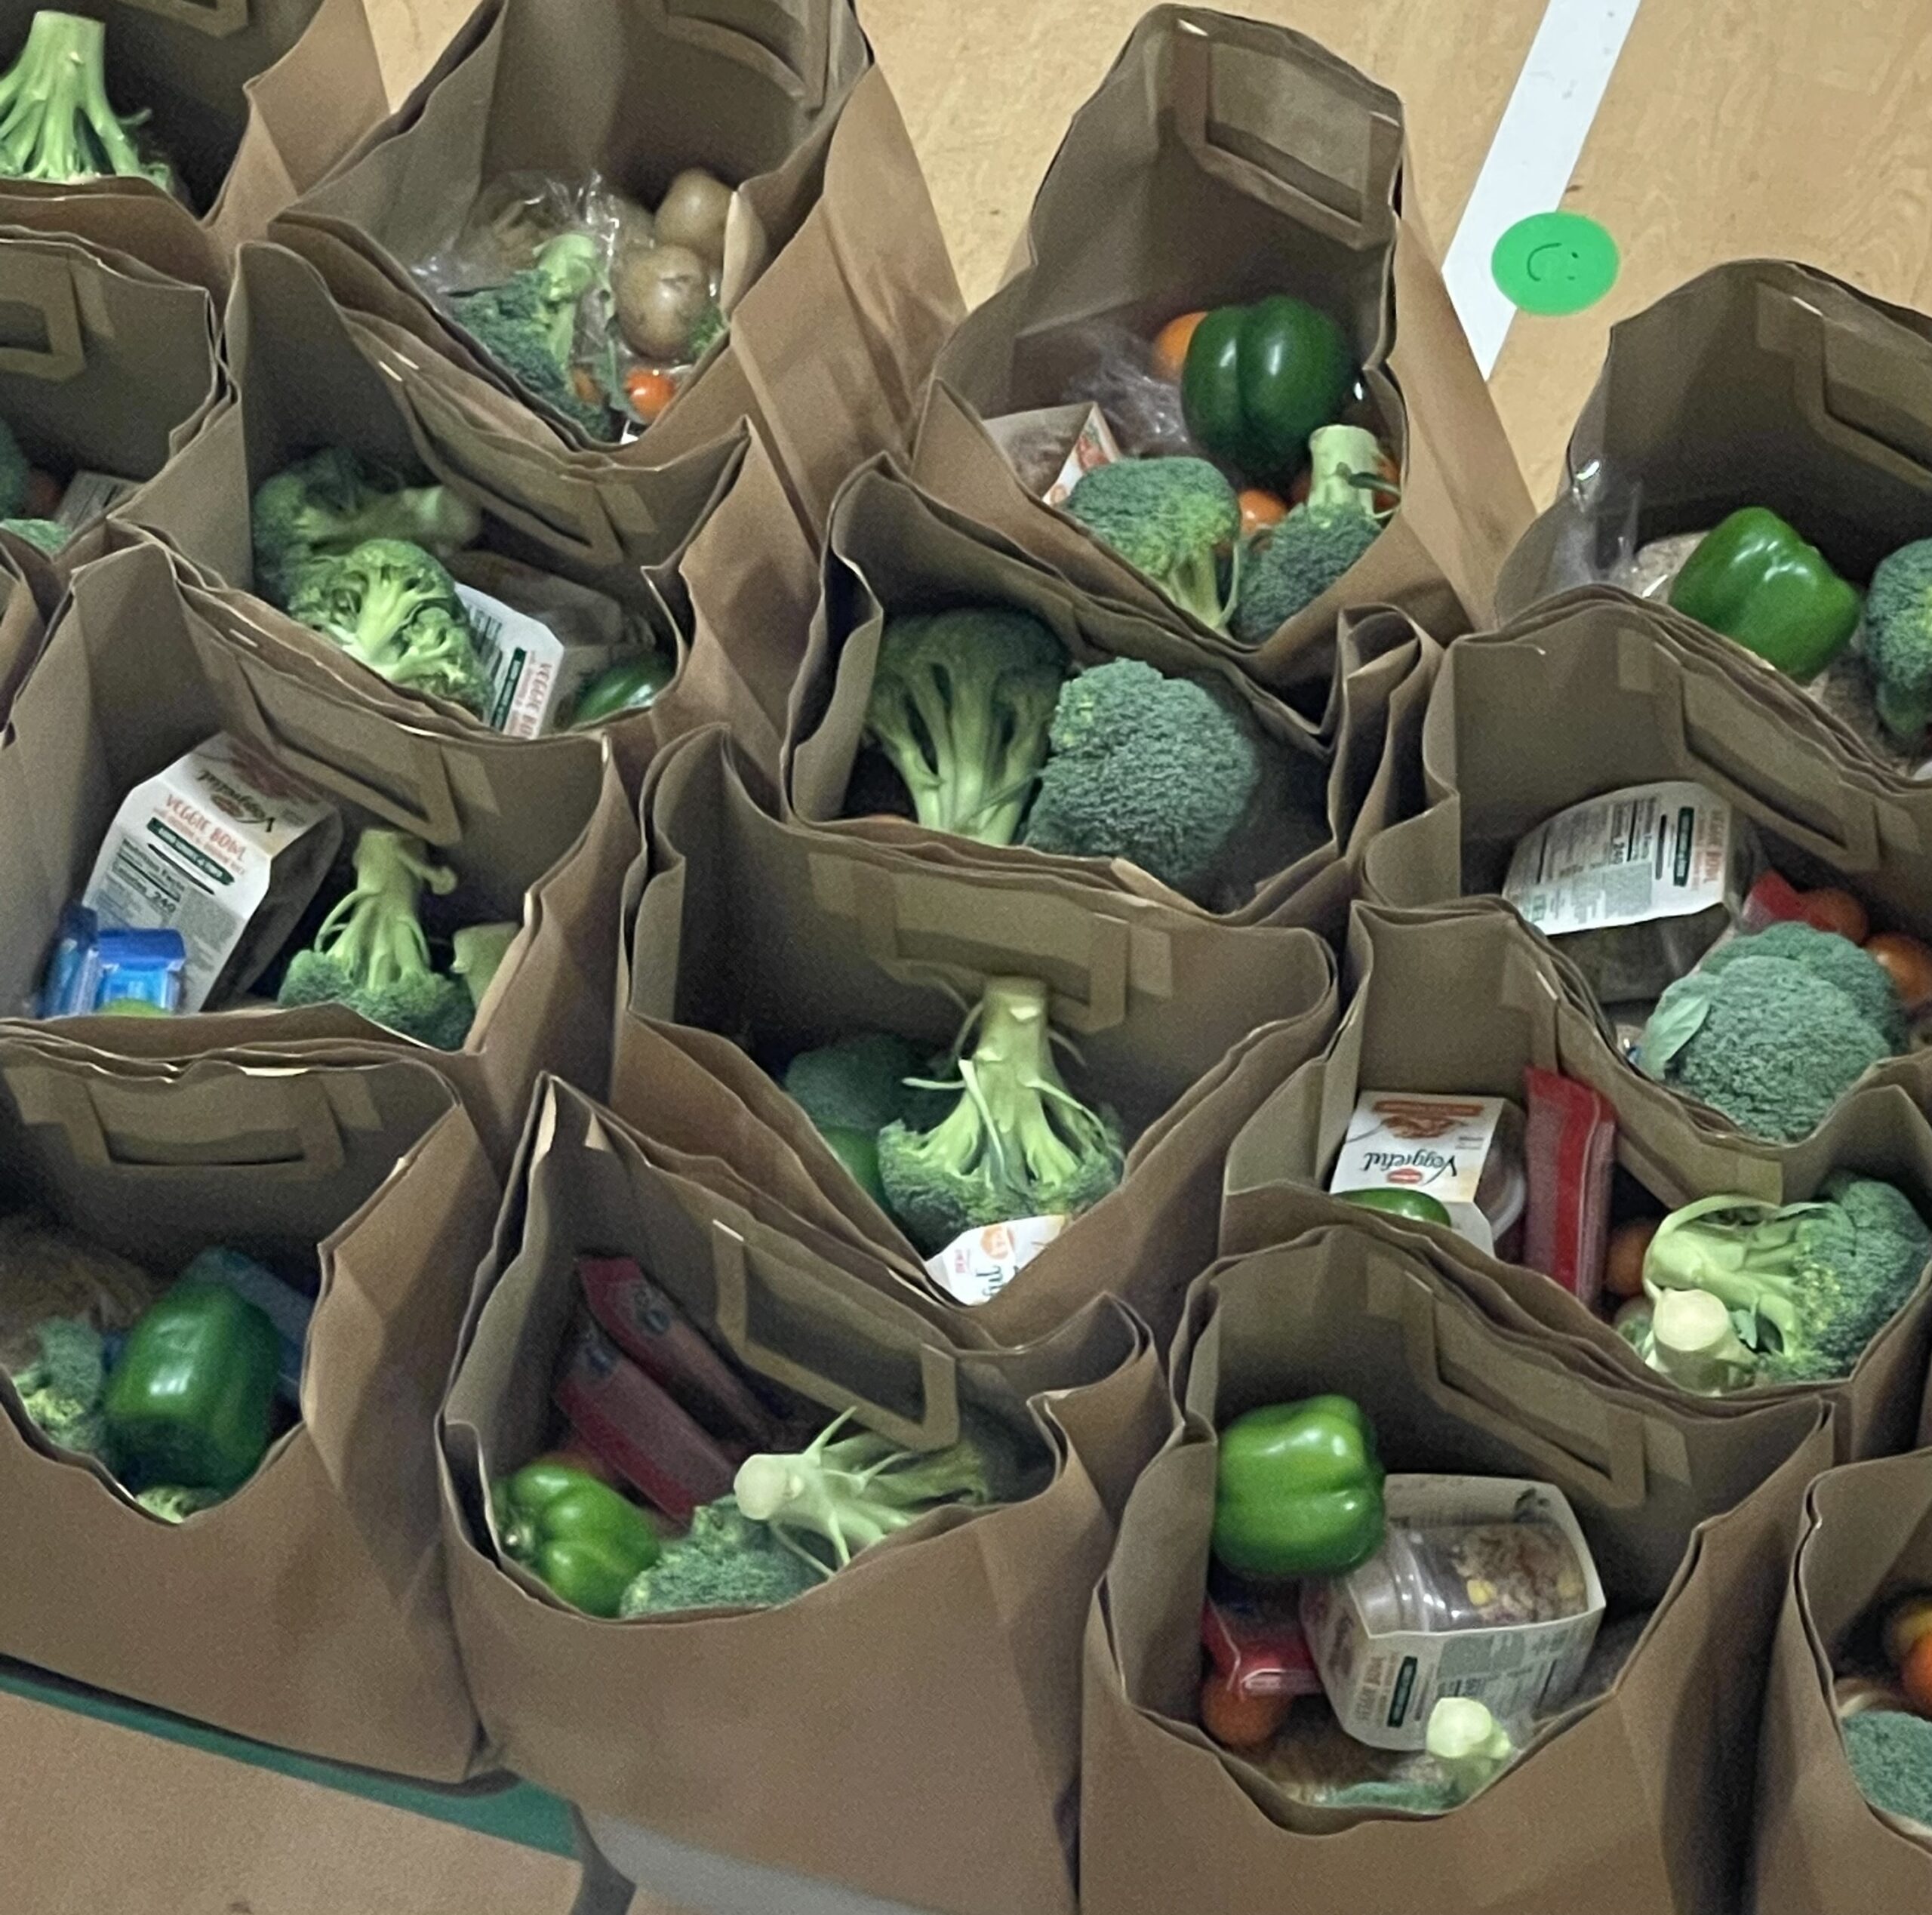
[[91, 969]]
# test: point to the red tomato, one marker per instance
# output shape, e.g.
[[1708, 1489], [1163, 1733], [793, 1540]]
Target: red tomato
[[1239, 1721], [1835, 910], [1909, 961], [649, 392], [1623, 1263]]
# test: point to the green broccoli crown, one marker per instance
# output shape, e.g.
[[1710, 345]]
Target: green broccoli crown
[[726, 1561], [47, 535], [55, 124], [175, 1503], [1891, 1755], [370, 953], [16, 474], [1897, 642], [1172, 518], [62, 1391], [1808, 1285], [1319, 541], [1158, 770], [1773, 1030], [528, 325], [855, 1083], [1016, 1143], [961, 704], [393, 607]]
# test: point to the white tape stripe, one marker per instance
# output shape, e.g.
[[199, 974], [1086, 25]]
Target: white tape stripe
[[1538, 142]]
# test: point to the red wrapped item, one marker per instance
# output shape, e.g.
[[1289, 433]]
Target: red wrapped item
[[1570, 1150]]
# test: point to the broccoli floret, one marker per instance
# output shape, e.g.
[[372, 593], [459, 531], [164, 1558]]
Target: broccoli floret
[[960, 703], [48, 535], [1154, 770], [1898, 643], [855, 1083], [1772, 1029], [1891, 1754], [16, 474], [1806, 1286], [392, 607], [1016, 1143], [1320, 539], [55, 124], [528, 326], [710, 328], [330, 503], [174, 1502], [370, 954], [1173, 518], [727, 1561], [62, 1391]]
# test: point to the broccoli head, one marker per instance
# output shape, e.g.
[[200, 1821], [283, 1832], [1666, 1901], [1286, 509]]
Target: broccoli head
[[1320, 539], [1772, 1029], [1154, 770], [392, 607], [528, 326], [726, 1561], [327, 504], [960, 703], [371, 953], [55, 121], [857, 1083], [1804, 1287], [1174, 519], [47, 535], [62, 1391], [1897, 642], [1016, 1142]]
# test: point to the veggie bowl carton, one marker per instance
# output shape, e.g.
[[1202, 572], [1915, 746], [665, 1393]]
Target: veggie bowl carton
[[1634, 1803], [938, 1673], [253, 100], [1822, 1848], [836, 282], [1465, 1004], [538, 831], [1330, 783], [1221, 160], [307, 1610], [741, 929]]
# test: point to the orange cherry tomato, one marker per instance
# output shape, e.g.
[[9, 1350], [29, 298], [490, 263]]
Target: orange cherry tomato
[[649, 391], [1260, 509], [1623, 1262], [1832, 909], [1908, 1624], [1909, 961], [1915, 1676], [1170, 344], [1238, 1720]]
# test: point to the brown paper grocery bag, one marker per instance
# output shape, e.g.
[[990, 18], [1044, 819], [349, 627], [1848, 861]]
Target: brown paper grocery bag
[[1467, 1003], [1332, 780], [538, 831], [1638, 1805], [741, 930], [309, 1609], [21, 630], [119, 372], [253, 100], [1222, 159], [939, 1676], [836, 280]]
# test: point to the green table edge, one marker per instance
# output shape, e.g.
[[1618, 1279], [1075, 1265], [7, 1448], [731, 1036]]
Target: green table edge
[[506, 1808]]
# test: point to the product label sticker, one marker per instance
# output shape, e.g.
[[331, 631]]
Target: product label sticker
[[975, 1268]]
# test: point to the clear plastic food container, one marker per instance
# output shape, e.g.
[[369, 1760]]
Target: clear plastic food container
[[1469, 1575]]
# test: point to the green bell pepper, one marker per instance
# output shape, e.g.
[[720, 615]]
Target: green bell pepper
[[1298, 1490], [1259, 378], [578, 1536], [858, 1151], [191, 1402], [1417, 1204], [631, 684], [1754, 579]]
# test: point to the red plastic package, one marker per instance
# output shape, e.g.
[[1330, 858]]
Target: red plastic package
[[1569, 1149], [1258, 1663]]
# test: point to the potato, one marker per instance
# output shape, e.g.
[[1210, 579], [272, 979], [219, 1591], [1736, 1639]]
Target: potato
[[660, 297], [692, 213]]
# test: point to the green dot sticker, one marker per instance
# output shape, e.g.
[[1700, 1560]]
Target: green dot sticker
[[1555, 262]]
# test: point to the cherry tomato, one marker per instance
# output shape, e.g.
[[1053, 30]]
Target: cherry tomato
[[1238, 1720], [1835, 910], [1909, 961], [1170, 345], [1623, 1262], [1908, 1625], [1915, 1676], [1260, 509], [44, 493], [649, 391]]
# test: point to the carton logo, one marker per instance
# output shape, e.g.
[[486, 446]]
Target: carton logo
[[1420, 1118], [235, 801]]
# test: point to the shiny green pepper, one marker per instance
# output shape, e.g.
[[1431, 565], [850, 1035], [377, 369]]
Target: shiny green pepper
[[582, 1539], [191, 1401], [1259, 378], [1298, 1490], [630, 685], [1755, 580], [1417, 1204]]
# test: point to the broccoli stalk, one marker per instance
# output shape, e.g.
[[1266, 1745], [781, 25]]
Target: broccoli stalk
[[62, 1391], [392, 607], [726, 1561], [1320, 539], [1174, 519], [961, 703], [859, 1490], [56, 123], [1897, 642], [479, 950], [528, 326], [371, 953], [1016, 1143]]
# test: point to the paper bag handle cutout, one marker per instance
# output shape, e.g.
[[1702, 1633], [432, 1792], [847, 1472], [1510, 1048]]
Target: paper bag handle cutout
[[789, 40], [235, 1122], [858, 1339], [43, 284], [218, 19]]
